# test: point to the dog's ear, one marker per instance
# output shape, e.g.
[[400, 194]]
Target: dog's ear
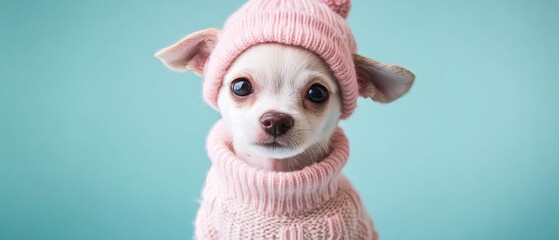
[[191, 52], [381, 82]]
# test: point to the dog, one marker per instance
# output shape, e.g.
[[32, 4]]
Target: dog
[[277, 152]]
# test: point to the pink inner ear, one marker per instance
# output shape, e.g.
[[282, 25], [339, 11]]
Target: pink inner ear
[[179, 56], [366, 88], [190, 53], [200, 55]]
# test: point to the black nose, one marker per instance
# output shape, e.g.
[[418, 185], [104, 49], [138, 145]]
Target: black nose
[[275, 123]]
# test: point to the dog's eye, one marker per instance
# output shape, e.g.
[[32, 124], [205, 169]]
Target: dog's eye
[[241, 87], [317, 93]]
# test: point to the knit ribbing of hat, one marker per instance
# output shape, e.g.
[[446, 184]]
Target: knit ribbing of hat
[[277, 192]]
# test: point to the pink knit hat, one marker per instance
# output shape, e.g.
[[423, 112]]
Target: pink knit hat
[[316, 25]]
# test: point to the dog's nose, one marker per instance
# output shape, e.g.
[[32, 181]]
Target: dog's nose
[[275, 123]]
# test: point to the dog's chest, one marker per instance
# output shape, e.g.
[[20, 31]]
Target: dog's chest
[[336, 217]]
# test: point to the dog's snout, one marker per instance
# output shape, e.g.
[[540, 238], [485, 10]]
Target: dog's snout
[[276, 124]]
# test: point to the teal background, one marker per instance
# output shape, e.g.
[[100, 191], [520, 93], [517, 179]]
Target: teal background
[[98, 140]]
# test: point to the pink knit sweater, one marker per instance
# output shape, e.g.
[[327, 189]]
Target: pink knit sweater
[[242, 202]]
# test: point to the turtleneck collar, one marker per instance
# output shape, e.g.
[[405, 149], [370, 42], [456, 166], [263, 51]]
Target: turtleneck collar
[[276, 192]]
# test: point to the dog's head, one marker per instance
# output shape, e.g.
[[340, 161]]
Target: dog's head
[[279, 100], [283, 78]]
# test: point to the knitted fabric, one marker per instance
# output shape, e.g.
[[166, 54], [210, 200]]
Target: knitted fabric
[[316, 25], [242, 202]]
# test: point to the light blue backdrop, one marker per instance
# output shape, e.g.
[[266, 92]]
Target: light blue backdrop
[[98, 140]]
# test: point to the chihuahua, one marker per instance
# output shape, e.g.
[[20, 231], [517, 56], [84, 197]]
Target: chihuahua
[[281, 103]]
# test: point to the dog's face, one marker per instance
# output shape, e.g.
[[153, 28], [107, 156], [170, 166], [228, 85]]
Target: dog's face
[[278, 101]]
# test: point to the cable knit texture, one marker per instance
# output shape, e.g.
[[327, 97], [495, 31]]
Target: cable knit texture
[[242, 202], [316, 25]]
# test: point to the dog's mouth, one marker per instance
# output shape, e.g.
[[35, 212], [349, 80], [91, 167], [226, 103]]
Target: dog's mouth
[[277, 148], [274, 144]]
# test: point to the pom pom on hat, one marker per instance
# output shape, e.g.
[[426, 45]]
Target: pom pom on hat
[[341, 7]]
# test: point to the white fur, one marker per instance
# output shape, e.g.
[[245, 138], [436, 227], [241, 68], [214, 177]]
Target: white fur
[[280, 76]]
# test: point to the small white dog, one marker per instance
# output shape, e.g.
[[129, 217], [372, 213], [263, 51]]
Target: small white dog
[[278, 152]]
